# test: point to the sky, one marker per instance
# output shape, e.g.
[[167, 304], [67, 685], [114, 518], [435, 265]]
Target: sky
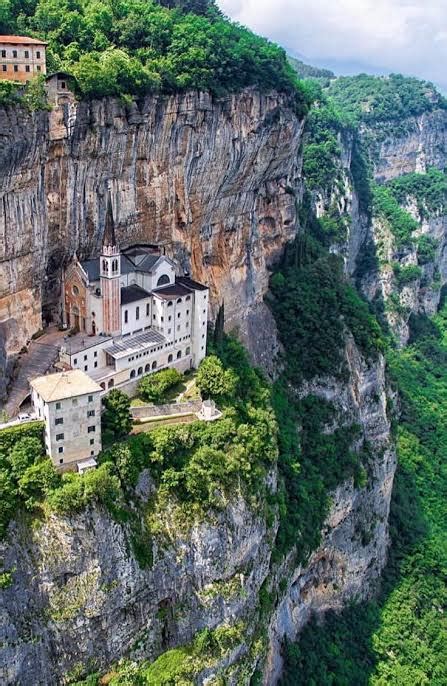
[[350, 36]]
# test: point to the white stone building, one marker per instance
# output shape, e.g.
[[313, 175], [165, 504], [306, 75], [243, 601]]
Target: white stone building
[[70, 405], [134, 315]]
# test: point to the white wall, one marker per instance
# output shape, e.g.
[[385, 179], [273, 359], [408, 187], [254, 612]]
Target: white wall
[[134, 324]]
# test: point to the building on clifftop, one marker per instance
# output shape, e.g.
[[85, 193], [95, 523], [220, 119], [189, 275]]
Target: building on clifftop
[[21, 58], [133, 315], [69, 403]]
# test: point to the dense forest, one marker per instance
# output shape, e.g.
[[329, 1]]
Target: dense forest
[[133, 47]]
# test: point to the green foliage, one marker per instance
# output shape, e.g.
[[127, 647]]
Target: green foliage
[[31, 95], [36, 481], [306, 71], [77, 491], [116, 419], [10, 436], [23, 454], [400, 223], [406, 274], [313, 306], [426, 247], [213, 380], [429, 190], [322, 152], [141, 46], [401, 638], [375, 99], [153, 387]]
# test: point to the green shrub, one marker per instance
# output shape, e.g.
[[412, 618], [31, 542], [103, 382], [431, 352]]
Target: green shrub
[[406, 274], [213, 380], [401, 223], [116, 419], [426, 247], [153, 387]]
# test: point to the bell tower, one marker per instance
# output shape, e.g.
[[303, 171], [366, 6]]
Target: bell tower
[[110, 272]]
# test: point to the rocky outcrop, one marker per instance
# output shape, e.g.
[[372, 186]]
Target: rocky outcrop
[[213, 182], [412, 145]]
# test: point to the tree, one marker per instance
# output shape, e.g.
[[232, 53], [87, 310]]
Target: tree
[[37, 481], [153, 386], [213, 380], [116, 419], [23, 454]]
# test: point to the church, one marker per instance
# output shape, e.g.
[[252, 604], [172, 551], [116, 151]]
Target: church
[[133, 313]]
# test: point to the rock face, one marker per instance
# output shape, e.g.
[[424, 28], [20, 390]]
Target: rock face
[[354, 544], [420, 143], [214, 183], [80, 599]]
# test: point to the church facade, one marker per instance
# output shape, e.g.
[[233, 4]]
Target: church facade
[[133, 313]]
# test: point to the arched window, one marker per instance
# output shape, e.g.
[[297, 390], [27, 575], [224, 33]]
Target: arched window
[[170, 358], [132, 374], [163, 280], [75, 290], [188, 351], [111, 383], [179, 354], [115, 266], [154, 364], [179, 300], [147, 368], [105, 266], [103, 386], [140, 371], [188, 297], [170, 303]]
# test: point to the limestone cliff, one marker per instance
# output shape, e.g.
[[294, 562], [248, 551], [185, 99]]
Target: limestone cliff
[[214, 182]]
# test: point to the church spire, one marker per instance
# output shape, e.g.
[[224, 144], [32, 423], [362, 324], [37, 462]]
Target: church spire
[[109, 238]]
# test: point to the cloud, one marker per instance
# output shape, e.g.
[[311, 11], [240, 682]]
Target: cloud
[[408, 36]]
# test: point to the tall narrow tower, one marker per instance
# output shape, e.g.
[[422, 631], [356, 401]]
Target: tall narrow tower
[[110, 272]]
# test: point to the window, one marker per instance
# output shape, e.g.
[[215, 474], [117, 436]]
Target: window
[[140, 371], [95, 354], [188, 351], [111, 383], [59, 420], [38, 67], [59, 437], [92, 452], [91, 429], [179, 354], [147, 368], [170, 303], [27, 67], [58, 406], [4, 67], [38, 54], [187, 311], [163, 280], [75, 361], [169, 358], [188, 297], [14, 53], [132, 374], [126, 316], [169, 331], [85, 358], [95, 365], [179, 300], [86, 368], [169, 318], [147, 309], [154, 364], [90, 398], [90, 413], [60, 449], [204, 311], [137, 313], [178, 327], [92, 441], [179, 315], [3, 53], [153, 316], [63, 85], [16, 68], [27, 55]]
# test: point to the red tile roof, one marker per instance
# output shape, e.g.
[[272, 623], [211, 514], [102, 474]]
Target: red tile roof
[[17, 40]]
